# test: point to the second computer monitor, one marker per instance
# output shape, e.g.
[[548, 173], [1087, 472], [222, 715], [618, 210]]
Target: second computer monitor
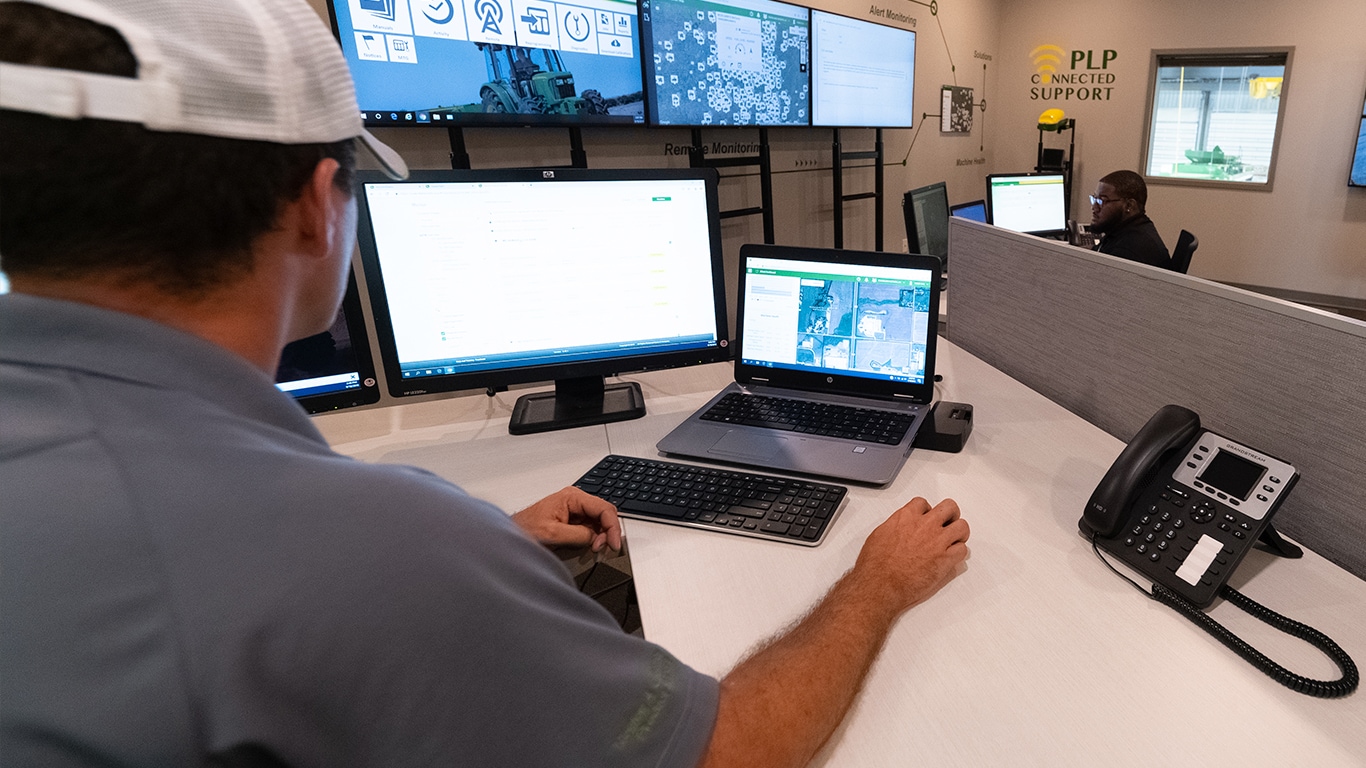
[[1026, 202], [975, 210], [927, 220]]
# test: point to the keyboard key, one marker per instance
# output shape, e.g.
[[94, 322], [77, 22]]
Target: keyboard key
[[652, 508]]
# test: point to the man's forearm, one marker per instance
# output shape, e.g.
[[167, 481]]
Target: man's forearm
[[780, 704]]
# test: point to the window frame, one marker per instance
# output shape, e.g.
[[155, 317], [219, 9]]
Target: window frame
[[1156, 61]]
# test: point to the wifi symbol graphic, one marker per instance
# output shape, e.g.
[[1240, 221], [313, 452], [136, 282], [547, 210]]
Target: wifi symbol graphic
[[1046, 60]]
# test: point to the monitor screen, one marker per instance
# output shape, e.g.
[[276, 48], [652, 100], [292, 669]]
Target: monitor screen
[[445, 62], [862, 73], [730, 62], [975, 210], [927, 220], [861, 317], [1030, 203], [1357, 177], [332, 369], [481, 279]]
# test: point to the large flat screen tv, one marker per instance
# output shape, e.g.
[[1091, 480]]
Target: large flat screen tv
[[492, 62], [728, 62], [862, 73], [482, 279]]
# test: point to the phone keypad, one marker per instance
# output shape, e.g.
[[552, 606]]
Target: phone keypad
[[1175, 522]]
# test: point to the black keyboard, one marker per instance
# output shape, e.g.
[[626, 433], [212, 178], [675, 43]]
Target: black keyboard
[[749, 504], [869, 425]]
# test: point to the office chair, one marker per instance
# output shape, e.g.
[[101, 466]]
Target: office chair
[[1186, 244]]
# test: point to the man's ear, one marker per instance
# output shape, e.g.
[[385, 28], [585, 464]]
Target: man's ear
[[317, 209]]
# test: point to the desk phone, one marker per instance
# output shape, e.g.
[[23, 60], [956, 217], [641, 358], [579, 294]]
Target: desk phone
[[1182, 506]]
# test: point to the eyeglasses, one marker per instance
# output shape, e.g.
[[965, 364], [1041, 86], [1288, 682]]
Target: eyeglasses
[[1102, 201]]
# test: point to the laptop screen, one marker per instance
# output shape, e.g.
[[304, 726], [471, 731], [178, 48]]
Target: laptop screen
[[847, 319]]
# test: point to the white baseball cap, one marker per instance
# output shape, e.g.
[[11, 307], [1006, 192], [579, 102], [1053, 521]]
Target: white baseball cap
[[237, 69]]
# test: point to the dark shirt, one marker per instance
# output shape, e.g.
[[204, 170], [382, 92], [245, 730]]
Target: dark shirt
[[1137, 240]]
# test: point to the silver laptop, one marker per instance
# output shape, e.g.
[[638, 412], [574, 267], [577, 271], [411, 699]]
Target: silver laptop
[[838, 348]]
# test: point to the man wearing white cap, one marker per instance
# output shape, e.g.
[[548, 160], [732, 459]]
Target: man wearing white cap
[[190, 575]]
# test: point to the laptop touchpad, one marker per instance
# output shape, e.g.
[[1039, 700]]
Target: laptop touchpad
[[742, 443]]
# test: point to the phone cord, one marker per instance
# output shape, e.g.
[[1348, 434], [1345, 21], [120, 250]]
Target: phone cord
[[1321, 688]]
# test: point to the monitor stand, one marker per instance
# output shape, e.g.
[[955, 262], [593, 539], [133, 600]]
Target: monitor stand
[[577, 402]]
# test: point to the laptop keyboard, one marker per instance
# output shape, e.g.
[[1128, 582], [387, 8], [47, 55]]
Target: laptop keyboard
[[745, 503], [867, 424]]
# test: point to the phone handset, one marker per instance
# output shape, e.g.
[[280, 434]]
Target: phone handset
[[1182, 506], [1171, 428], [1080, 235]]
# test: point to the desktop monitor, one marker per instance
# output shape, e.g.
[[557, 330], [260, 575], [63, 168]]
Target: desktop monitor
[[333, 369], [862, 73], [927, 221], [1032, 203], [737, 62], [483, 279], [492, 62], [975, 210]]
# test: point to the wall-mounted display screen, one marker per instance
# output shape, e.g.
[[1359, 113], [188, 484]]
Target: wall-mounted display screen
[[1357, 178], [862, 73], [955, 109], [732, 62], [492, 62]]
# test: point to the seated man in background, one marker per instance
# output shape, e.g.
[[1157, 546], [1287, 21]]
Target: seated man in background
[[1118, 215], [191, 575]]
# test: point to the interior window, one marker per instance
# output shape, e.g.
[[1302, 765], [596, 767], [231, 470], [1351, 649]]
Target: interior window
[[1215, 117]]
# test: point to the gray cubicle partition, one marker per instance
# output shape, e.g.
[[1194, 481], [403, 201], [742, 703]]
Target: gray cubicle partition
[[1112, 341]]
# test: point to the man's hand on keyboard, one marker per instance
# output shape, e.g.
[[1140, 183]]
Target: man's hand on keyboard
[[571, 518]]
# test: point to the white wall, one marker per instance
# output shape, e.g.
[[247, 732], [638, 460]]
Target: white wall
[[1309, 232]]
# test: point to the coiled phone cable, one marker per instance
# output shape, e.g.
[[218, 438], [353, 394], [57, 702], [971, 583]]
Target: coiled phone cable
[[1324, 689]]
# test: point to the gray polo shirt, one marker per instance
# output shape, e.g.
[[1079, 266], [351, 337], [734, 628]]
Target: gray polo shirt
[[187, 568]]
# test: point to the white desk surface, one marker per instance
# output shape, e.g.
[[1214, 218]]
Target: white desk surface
[[1035, 655]]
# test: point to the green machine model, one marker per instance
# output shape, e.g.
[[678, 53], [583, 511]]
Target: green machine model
[[1212, 164], [528, 81]]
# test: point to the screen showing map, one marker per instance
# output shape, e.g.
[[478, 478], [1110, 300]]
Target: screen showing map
[[736, 62], [491, 62], [867, 321]]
